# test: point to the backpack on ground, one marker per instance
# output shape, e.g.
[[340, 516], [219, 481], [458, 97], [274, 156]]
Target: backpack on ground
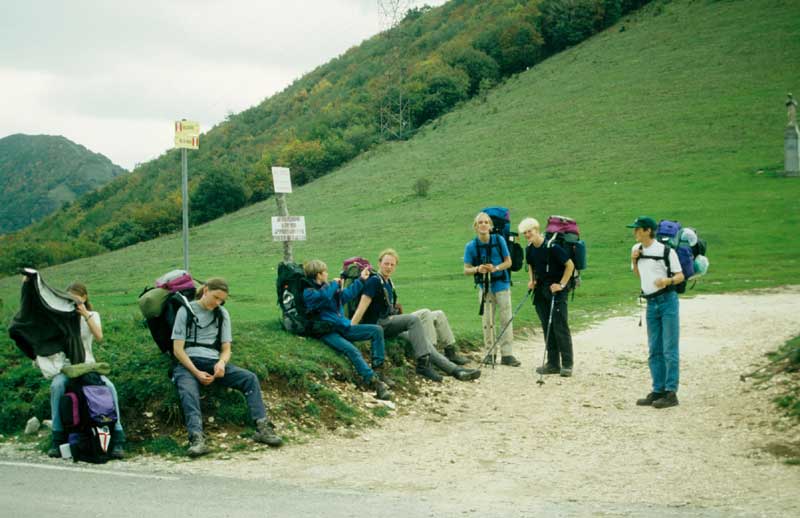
[[689, 248], [160, 306], [351, 270], [501, 222], [564, 232], [88, 414], [290, 284]]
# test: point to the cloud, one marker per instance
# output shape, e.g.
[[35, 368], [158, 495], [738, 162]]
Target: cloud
[[109, 75]]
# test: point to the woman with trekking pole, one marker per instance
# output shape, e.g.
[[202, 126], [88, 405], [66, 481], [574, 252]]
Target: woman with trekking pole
[[488, 255], [549, 272]]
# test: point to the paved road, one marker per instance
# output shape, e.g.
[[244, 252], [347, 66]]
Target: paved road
[[59, 488]]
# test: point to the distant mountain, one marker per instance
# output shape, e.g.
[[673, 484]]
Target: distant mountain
[[40, 173]]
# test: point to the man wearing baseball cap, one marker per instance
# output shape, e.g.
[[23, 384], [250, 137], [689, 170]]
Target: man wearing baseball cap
[[659, 270]]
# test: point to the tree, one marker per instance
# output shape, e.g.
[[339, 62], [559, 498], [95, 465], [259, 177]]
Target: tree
[[218, 193]]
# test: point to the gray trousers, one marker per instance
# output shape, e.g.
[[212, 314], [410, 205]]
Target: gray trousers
[[235, 377], [414, 331]]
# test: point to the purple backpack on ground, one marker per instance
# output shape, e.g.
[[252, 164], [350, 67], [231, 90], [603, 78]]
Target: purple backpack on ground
[[88, 413]]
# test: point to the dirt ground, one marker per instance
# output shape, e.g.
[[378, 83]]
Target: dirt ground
[[577, 441]]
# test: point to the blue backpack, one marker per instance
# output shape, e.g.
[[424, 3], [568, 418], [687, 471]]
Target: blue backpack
[[501, 222]]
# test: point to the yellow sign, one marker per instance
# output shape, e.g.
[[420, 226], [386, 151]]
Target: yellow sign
[[188, 128], [187, 134], [188, 142]]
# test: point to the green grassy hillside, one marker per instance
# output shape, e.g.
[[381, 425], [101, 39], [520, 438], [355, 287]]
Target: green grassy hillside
[[679, 115], [40, 173]]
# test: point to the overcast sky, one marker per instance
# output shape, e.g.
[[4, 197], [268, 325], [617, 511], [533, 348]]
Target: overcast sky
[[113, 76]]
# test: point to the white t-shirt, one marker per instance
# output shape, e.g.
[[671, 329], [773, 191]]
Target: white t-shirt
[[52, 365], [652, 269]]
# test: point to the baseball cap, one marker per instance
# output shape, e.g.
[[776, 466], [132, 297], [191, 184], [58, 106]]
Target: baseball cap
[[643, 222]]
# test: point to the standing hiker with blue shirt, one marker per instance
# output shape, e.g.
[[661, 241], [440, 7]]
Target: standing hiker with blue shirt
[[202, 346], [487, 258], [659, 271]]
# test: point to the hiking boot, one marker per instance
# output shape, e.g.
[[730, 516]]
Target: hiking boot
[[669, 399], [425, 370], [452, 355], [510, 361], [466, 374], [548, 369], [56, 440], [118, 445], [649, 399], [265, 433], [566, 372], [197, 445], [380, 371], [489, 359], [381, 390]]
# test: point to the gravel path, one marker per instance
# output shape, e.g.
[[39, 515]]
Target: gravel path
[[578, 446]]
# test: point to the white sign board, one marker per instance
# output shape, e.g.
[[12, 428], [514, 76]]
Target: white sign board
[[281, 180], [288, 228]]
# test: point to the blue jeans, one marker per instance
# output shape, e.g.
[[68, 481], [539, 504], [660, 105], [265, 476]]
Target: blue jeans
[[57, 389], [341, 341], [663, 330], [235, 377]]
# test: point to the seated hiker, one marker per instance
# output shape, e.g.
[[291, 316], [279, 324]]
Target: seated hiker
[[202, 347], [70, 335], [378, 305], [325, 299]]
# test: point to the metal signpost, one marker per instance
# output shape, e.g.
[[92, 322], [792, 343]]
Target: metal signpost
[[284, 227], [187, 136]]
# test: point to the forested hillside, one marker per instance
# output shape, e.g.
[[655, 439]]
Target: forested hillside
[[384, 89], [40, 173]]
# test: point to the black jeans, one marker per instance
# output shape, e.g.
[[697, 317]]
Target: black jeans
[[559, 343]]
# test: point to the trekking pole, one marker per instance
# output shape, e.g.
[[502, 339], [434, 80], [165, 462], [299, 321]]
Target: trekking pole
[[513, 316], [485, 289], [492, 340], [540, 381]]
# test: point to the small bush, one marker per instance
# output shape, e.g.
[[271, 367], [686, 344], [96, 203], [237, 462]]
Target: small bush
[[421, 187]]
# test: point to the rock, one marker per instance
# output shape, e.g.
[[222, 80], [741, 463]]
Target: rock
[[388, 404], [48, 423], [32, 426]]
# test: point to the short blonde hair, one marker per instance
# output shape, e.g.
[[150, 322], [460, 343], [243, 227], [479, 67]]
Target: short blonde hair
[[313, 267], [528, 224], [389, 251], [477, 217]]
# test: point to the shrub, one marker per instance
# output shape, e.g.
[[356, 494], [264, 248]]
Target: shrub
[[421, 187]]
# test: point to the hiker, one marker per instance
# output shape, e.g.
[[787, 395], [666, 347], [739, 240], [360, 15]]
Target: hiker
[[202, 347], [663, 323], [378, 305], [51, 367], [549, 272], [325, 299], [487, 258]]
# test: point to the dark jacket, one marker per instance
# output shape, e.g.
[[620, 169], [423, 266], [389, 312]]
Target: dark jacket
[[47, 322], [327, 300]]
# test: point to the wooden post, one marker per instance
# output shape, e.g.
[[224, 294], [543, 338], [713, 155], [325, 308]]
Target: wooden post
[[280, 199]]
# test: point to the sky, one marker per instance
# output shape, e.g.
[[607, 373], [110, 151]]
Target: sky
[[114, 77]]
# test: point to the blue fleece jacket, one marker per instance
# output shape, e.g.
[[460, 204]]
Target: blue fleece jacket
[[327, 299]]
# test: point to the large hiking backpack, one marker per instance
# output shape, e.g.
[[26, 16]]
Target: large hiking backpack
[[564, 232], [690, 248], [88, 415], [501, 221], [351, 270], [290, 284], [160, 305]]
